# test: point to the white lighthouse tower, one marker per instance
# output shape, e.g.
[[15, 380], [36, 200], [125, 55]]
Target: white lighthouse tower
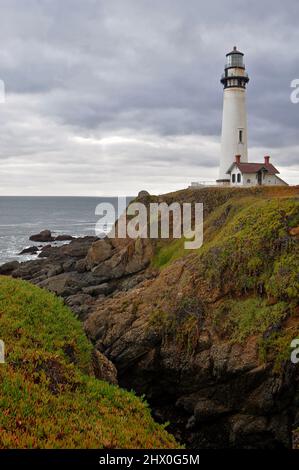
[[234, 120]]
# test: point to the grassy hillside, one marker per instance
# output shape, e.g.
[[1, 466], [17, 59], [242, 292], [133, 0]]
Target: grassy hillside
[[250, 257], [221, 205], [48, 399]]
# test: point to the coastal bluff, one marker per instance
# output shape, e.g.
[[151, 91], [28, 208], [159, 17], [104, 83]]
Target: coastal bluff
[[204, 334]]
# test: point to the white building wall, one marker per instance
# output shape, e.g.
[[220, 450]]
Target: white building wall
[[250, 179], [234, 119], [271, 180]]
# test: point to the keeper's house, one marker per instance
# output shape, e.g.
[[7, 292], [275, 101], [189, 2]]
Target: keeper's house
[[254, 174]]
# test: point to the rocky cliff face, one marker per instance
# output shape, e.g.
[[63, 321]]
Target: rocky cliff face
[[205, 335], [216, 393]]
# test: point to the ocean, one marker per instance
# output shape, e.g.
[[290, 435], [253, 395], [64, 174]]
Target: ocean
[[21, 217]]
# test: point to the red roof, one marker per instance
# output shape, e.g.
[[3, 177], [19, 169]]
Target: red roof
[[255, 167]]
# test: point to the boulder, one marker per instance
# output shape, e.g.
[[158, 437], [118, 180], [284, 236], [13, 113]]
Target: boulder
[[77, 248], [112, 268], [80, 265], [67, 283], [63, 238], [69, 265], [143, 193], [30, 250], [43, 236], [131, 259], [29, 270], [101, 289], [54, 270], [64, 284], [99, 251], [8, 268], [79, 299], [80, 304], [45, 251]]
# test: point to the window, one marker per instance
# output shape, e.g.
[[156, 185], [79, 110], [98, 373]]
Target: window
[[239, 177], [240, 136], [233, 178], [237, 60]]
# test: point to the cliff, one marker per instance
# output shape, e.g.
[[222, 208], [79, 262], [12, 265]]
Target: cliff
[[204, 334], [208, 339]]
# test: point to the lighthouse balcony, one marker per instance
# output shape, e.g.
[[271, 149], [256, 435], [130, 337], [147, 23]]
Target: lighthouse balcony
[[234, 81], [237, 74]]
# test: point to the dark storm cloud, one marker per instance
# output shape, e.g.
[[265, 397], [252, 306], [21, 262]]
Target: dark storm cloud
[[141, 69]]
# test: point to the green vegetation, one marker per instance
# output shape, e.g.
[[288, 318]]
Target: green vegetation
[[275, 325], [253, 254], [180, 324], [236, 216], [276, 347], [166, 253], [243, 318], [250, 257], [244, 253], [47, 398]]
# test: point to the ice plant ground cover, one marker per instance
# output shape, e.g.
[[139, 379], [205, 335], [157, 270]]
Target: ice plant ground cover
[[49, 398]]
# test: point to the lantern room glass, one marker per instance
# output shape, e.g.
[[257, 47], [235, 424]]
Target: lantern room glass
[[235, 60]]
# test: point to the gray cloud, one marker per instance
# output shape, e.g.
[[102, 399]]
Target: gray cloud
[[146, 73]]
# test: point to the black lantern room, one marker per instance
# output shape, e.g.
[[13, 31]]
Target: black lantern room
[[234, 72]]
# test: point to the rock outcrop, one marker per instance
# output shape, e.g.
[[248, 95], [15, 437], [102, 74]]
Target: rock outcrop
[[86, 269], [9, 267], [46, 236], [30, 250], [43, 236]]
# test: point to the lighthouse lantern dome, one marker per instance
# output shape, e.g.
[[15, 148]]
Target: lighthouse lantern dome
[[235, 59]]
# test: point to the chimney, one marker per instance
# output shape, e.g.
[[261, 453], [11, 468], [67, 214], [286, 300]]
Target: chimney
[[267, 160], [238, 158]]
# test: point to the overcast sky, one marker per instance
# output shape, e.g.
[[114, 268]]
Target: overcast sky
[[108, 97]]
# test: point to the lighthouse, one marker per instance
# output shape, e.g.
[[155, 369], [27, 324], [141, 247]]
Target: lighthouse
[[234, 119]]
